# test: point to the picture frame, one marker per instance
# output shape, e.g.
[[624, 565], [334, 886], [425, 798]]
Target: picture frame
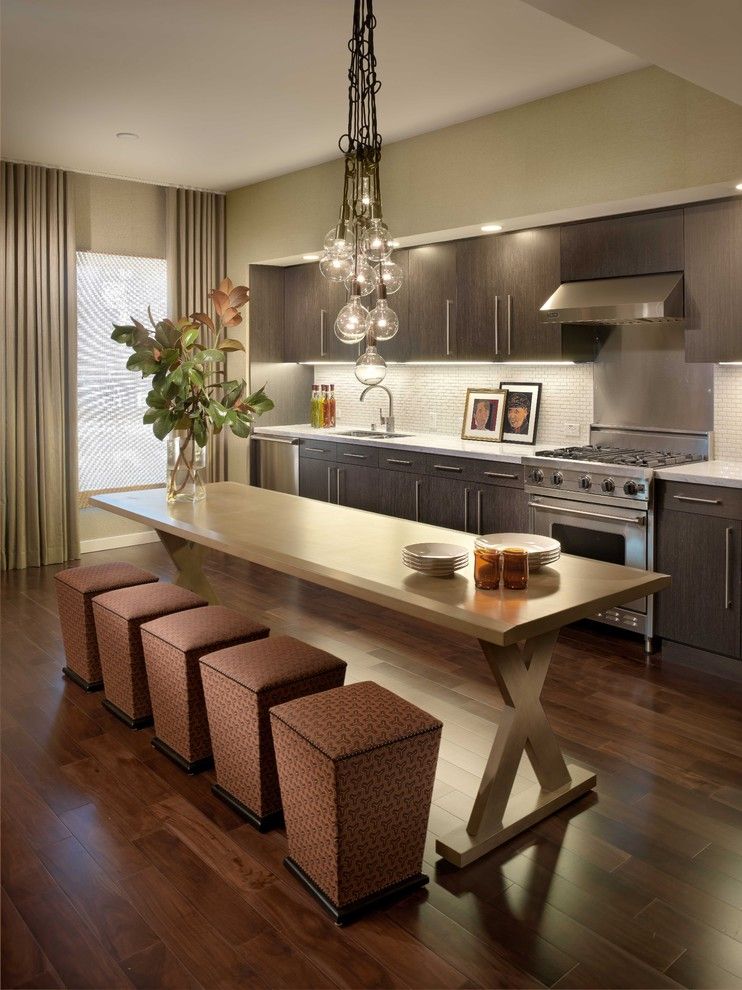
[[484, 414], [522, 406]]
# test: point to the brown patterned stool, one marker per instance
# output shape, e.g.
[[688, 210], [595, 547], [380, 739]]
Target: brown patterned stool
[[356, 767], [76, 588], [118, 617], [240, 685], [172, 648]]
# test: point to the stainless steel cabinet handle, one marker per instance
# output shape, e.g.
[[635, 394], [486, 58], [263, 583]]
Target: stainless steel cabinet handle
[[448, 326], [690, 498], [363, 457], [479, 512], [418, 485], [447, 467], [497, 325], [337, 483], [396, 460], [634, 520], [728, 603], [499, 474], [316, 450], [329, 484], [271, 439], [322, 315], [510, 318], [466, 509]]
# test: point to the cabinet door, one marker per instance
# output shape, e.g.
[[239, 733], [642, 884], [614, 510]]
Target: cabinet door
[[400, 494], [358, 487], [701, 607], [713, 286], [500, 510], [311, 304], [317, 479], [637, 244], [531, 264], [447, 502], [266, 313], [480, 276], [399, 348], [432, 302]]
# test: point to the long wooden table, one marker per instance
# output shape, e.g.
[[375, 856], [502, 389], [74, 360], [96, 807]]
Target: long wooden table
[[359, 554]]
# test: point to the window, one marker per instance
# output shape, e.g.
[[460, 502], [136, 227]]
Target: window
[[116, 450]]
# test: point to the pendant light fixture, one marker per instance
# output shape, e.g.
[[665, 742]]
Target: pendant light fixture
[[358, 247]]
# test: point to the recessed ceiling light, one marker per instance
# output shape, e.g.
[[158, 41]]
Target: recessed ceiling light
[[127, 135], [310, 257], [739, 186], [491, 228]]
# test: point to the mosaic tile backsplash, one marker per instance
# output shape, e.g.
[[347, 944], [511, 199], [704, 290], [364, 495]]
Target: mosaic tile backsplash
[[728, 412]]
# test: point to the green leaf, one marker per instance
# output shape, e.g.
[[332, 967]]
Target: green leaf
[[241, 428], [232, 391], [217, 412], [230, 344], [200, 432], [155, 400], [189, 337], [166, 334], [152, 415], [144, 362], [211, 354], [163, 425], [259, 402], [196, 377], [123, 335]]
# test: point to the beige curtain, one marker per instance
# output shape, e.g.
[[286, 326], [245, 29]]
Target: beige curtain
[[196, 263], [38, 441]]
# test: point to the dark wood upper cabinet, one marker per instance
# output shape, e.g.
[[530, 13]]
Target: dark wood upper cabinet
[[637, 244], [713, 281], [480, 274], [399, 348], [266, 313], [432, 302], [531, 275], [311, 304]]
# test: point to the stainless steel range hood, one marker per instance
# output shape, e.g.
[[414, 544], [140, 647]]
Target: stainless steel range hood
[[611, 301]]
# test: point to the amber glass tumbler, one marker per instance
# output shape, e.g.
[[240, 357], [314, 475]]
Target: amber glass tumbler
[[486, 569], [515, 568]]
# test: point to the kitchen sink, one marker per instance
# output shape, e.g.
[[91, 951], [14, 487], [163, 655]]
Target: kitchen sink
[[373, 434]]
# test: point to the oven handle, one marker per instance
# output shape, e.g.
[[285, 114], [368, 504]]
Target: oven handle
[[634, 520]]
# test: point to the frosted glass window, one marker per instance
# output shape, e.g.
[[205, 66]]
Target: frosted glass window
[[116, 450]]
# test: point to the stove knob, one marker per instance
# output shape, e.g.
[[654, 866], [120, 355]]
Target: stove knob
[[585, 482], [608, 485], [538, 476], [557, 478], [631, 488]]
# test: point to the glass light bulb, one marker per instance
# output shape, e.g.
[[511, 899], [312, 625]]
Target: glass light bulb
[[350, 325], [336, 268], [391, 275], [370, 367], [376, 243], [364, 274], [366, 191], [382, 322], [340, 240]]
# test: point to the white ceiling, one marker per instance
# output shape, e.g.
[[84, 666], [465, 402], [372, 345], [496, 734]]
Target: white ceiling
[[699, 40], [227, 92]]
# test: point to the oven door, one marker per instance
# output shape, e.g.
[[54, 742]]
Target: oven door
[[601, 532]]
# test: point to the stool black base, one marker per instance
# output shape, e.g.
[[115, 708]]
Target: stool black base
[[349, 912], [196, 766], [143, 722], [264, 824], [81, 682]]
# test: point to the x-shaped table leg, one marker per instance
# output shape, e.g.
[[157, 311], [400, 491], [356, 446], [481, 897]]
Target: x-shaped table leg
[[188, 558], [520, 671]]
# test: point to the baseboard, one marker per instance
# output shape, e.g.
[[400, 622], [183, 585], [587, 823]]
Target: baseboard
[[710, 663], [114, 542]]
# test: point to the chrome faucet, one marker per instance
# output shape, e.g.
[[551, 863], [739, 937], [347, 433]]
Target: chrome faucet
[[386, 421]]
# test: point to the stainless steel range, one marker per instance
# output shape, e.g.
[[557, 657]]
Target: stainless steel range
[[598, 501]]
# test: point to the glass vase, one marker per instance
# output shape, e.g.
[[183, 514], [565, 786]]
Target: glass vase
[[185, 461]]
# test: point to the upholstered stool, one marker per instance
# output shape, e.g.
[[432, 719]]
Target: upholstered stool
[[356, 767], [240, 685], [76, 588], [118, 617], [172, 648]]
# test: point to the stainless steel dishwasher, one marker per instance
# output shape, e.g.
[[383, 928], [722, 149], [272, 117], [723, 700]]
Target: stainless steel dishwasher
[[275, 463]]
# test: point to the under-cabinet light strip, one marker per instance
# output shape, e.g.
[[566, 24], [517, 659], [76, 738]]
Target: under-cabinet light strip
[[456, 364]]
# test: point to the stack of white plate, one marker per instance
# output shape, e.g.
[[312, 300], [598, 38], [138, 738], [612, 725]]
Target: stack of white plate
[[435, 559], [542, 550]]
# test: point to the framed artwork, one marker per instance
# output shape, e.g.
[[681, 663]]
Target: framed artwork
[[521, 412], [484, 413]]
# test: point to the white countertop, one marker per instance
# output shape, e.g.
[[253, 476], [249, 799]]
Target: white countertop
[[727, 474], [430, 443]]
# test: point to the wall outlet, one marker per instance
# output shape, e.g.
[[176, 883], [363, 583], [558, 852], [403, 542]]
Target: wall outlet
[[571, 429]]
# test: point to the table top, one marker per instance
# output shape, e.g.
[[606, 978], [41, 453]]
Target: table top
[[359, 554]]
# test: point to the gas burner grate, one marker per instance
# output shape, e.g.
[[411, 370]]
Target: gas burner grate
[[628, 457]]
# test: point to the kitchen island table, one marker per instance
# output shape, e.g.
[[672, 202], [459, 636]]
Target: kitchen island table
[[359, 553]]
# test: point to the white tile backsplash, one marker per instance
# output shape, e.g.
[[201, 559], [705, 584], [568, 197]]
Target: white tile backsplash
[[430, 398], [728, 412]]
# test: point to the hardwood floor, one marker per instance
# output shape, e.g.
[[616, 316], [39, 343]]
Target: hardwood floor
[[118, 870]]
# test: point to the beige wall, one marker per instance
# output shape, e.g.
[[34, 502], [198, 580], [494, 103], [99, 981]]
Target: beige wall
[[639, 134], [117, 217]]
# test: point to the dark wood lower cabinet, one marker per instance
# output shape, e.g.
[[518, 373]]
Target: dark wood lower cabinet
[[317, 479], [358, 487], [400, 494], [703, 553], [447, 502], [500, 510]]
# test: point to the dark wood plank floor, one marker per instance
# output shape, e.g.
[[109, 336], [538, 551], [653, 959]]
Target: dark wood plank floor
[[118, 870]]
